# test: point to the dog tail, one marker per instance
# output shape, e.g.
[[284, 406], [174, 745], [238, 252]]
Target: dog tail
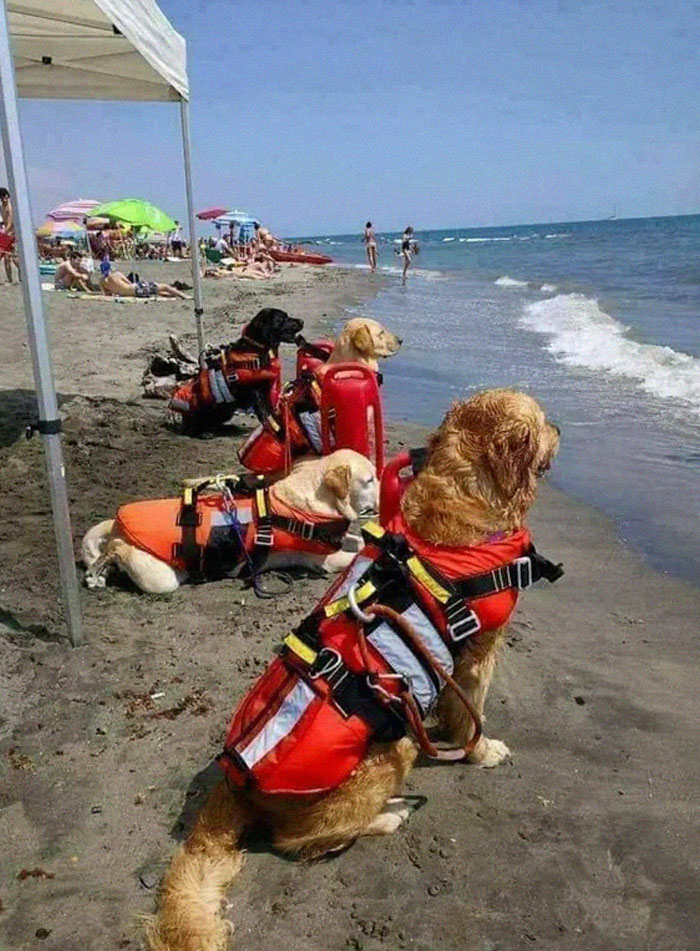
[[189, 914]]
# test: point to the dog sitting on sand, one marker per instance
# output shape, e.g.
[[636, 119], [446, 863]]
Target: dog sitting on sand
[[470, 500], [300, 521]]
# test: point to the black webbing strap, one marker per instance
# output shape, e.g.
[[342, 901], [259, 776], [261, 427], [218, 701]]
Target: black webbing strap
[[329, 533], [189, 519], [47, 427], [519, 574]]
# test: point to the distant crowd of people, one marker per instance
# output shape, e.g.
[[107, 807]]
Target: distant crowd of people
[[251, 258]]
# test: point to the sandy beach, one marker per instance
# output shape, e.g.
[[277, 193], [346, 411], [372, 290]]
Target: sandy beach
[[587, 839]]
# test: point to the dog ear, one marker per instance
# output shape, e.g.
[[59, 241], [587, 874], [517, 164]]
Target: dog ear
[[511, 455], [337, 479], [361, 339]]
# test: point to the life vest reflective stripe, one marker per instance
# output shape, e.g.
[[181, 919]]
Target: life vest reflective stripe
[[301, 741], [222, 535]]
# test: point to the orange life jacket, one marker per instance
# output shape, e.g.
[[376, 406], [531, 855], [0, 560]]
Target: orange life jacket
[[307, 722], [211, 536], [231, 380]]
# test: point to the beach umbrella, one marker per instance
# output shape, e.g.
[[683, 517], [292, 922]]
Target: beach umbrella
[[60, 229], [210, 213], [74, 210], [140, 214], [235, 218]]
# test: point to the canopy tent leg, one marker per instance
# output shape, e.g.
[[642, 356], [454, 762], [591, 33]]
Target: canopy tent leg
[[194, 249], [49, 420]]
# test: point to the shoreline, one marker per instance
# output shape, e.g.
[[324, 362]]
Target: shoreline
[[587, 835]]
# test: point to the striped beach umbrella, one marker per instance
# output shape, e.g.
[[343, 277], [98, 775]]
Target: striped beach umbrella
[[60, 229], [74, 210]]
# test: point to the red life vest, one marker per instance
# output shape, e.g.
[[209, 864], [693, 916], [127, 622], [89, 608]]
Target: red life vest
[[292, 429], [307, 722], [230, 381], [211, 536]]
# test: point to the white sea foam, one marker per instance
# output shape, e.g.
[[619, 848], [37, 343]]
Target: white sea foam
[[559, 234], [506, 281], [581, 334], [447, 239], [485, 240], [548, 288]]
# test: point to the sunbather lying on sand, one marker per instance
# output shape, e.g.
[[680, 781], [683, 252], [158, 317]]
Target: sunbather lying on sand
[[71, 276], [116, 284]]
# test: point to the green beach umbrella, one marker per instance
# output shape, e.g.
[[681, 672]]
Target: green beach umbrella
[[139, 214]]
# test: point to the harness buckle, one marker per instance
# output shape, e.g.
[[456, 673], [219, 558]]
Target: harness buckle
[[263, 535], [307, 530], [523, 572]]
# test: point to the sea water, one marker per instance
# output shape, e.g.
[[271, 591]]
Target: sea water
[[599, 320]]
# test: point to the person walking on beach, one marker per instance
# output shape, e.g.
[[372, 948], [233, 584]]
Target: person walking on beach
[[407, 246], [176, 240], [370, 247], [8, 226]]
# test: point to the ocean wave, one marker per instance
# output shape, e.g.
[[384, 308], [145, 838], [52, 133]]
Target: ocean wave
[[447, 239], [582, 334], [484, 240], [506, 281], [548, 288], [559, 234]]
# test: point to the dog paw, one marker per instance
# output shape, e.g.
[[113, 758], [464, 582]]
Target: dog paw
[[95, 581], [489, 753], [387, 823]]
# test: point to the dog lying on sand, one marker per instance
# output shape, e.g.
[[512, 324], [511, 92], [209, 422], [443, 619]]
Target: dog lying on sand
[[477, 485], [308, 516]]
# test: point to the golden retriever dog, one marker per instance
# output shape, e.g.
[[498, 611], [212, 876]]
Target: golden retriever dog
[[480, 479], [363, 340], [341, 486]]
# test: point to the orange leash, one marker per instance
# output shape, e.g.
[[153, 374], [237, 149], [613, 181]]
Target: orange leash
[[411, 711]]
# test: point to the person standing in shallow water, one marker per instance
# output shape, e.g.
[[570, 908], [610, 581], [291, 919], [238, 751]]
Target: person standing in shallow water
[[370, 247], [406, 251]]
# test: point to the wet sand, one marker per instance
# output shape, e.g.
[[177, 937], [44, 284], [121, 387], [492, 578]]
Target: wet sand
[[587, 839]]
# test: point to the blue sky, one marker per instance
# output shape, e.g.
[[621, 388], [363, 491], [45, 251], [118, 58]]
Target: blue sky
[[318, 115]]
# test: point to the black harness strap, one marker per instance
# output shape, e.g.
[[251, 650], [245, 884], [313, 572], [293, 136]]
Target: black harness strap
[[188, 548]]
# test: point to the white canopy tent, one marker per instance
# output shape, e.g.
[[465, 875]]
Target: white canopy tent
[[80, 49]]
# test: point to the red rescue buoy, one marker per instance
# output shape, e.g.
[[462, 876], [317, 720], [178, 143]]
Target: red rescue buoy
[[313, 354], [351, 412], [395, 480]]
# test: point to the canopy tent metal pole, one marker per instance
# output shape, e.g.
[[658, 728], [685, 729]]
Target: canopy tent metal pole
[[49, 420], [194, 248]]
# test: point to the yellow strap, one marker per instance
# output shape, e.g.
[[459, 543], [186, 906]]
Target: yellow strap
[[260, 500], [418, 571], [342, 604], [374, 529], [316, 388], [187, 495], [300, 648], [273, 423]]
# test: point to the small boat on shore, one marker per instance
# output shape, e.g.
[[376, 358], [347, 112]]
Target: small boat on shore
[[299, 256]]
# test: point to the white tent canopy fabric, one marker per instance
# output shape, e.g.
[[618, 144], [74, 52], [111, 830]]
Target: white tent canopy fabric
[[96, 49], [80, 49]]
